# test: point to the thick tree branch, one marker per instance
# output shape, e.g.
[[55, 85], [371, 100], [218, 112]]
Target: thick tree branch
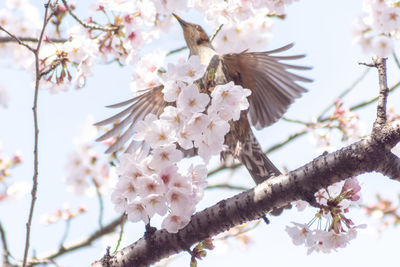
[[391, 166], [380, 64], [367, 155], [363, 156]]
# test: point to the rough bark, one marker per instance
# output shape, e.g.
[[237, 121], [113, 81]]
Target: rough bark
[[367, 155]]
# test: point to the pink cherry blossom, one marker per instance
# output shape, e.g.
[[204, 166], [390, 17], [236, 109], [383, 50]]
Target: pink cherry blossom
[[191, 101], [136, 212], [173, 222]]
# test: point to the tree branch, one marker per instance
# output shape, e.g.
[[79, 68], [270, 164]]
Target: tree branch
[[391, 166], [380, 64], [176, 50], [226, 186], [300, 133], [36, 131], [5, 39], [16, 39], [367, 155], [363, 156], [344, 93], [87, 241], [6, 252], [86, 25]]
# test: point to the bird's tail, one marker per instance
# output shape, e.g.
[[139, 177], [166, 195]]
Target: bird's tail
[[255, 160], [259, 165]]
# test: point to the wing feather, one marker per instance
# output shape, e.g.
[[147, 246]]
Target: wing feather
[[273, 87], [150, 100]]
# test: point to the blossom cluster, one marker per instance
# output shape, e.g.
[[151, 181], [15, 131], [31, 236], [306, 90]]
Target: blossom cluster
[[385, 210], [62, 214], [342, 119], [147, 71], [346, 121], [86, 174], [117, 30], [23, 20], [152, 183], [379, 27], [240, 19], [333, 203]]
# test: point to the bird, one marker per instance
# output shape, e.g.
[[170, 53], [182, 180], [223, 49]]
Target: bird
[[273, 89]]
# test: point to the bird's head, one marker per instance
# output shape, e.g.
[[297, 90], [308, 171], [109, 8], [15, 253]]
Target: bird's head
[[194, 34]]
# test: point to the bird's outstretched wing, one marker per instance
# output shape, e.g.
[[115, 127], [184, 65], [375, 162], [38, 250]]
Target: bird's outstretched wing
[[273, 87], [147, 101]]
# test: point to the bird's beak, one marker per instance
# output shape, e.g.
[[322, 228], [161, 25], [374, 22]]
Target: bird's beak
[[183, 23]]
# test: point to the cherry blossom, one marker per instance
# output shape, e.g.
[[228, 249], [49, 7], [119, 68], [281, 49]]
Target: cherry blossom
[[165, 155], [154, 181], [150, 184], [173, 222], [159, 134], [155, 203], [136, 212], [230, 100], [378, 28], [382, 45], [191, 101], [298, 233], [146, 73], [188, 71], [172, 90], [333, 203], [85, 171]]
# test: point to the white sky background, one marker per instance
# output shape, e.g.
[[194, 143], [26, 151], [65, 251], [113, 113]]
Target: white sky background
[[321, 29]]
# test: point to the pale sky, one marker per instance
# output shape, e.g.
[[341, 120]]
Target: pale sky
[[320, 29]]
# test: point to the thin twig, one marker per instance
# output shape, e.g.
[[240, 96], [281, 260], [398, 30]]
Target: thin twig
[[289, 139], [227, 186], [295, 121], [269, 150], [101, 204], [121, 232], [216, 32], [6, 252], [246, 230], [87, 241], [300, 133], [66, 232], [372, 100], [396, 59], [16, 39], [36, 131], [345, 92], [177, 50], [5, 39], [86, 25], [33, 262]]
